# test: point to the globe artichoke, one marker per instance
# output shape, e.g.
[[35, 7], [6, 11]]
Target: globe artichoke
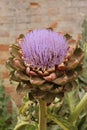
[[45, 63]]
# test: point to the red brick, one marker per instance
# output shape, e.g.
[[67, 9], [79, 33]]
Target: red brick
[[2, 61], [34, 4], [5, 74], [54, 25], [11, 91], [79, 36], [9, 106], [4, 47], [52, 11], [4, 34]]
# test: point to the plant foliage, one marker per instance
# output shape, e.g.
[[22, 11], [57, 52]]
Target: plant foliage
[[5, 117], [69, 113]]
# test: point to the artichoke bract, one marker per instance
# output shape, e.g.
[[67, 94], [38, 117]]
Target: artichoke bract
[[45, 64]]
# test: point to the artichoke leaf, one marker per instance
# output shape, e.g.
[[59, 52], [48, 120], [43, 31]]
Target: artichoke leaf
[[75, 59], [36, 80], [68, 76], [22, 76], [14, 50], [64, 124]]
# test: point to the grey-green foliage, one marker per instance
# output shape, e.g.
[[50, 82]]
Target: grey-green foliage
[[62, 113], [83, 42], [5, 117], [83, 76], [84, 31]]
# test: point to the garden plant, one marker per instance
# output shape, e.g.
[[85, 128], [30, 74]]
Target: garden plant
[[50, 67]]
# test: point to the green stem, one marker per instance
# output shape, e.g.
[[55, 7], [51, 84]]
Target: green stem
[[42, 115], [78, 109]]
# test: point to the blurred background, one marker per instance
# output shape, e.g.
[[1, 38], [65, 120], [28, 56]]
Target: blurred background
[[19, 16]]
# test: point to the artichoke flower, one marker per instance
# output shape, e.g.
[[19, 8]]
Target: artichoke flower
[[45, 64]]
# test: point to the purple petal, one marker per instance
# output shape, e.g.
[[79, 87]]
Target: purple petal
[[44, 48]]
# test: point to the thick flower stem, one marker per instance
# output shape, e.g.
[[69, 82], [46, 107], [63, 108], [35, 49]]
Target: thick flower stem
[[42, 115]]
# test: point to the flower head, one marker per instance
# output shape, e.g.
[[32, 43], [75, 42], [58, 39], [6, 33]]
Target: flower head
[[44, 48], [45, 64]]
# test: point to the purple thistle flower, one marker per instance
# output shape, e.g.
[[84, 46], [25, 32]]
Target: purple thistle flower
[[44, 48]]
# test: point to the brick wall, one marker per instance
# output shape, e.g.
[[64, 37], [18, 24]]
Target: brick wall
[[18, 16]]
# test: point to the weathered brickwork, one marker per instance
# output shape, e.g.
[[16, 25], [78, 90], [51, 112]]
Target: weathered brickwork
[[18, 16]]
